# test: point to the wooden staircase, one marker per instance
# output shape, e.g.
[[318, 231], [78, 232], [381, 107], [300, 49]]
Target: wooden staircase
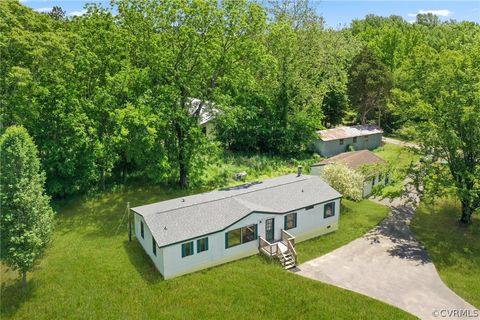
[[287, 259], [283, 250]]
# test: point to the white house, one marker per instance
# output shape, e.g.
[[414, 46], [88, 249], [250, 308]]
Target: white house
[[356, 160], [333, 141], [187, 234]]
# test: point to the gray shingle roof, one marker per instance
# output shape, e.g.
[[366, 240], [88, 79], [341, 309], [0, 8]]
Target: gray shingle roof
[[185, 218]]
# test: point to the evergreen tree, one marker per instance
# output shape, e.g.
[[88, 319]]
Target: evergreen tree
[[25, 214]]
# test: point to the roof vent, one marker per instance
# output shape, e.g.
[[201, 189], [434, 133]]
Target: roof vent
[[183, 200], [165, 228], [299, 171]]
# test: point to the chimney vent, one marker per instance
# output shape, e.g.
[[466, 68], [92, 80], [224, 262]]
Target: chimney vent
[[299, 172]]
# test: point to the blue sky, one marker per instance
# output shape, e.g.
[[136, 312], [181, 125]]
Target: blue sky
[[336, 12]]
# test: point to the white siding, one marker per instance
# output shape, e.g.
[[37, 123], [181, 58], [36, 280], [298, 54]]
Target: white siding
[[146, 243], [368, 186], [310, 223]]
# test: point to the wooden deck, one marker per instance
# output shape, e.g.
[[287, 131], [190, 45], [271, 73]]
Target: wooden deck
[[283, 250]]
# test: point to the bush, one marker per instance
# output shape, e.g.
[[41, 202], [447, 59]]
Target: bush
[[346, 181]]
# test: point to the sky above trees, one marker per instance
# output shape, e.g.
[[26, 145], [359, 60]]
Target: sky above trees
[[336, 13]]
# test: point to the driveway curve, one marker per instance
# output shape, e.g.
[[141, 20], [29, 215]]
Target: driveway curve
[[390, 265]]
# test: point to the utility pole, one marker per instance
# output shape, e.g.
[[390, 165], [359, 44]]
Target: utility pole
[[129, 223]]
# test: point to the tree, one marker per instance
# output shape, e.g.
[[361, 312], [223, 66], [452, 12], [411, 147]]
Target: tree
[[334, 107], [369, 84], [449, 132], [26, 216], [57, 13], [346, 181]]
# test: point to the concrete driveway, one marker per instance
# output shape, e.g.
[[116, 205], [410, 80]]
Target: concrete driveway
[[389, 264]]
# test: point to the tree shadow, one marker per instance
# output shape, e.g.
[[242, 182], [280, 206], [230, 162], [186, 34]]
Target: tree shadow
[[142, 262], [12, 296], [395, 227]]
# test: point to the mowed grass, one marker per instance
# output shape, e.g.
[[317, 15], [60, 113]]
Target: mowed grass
[[454, 249], [91, 271], [356, 218]]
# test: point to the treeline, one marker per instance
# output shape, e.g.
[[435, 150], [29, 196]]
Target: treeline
[[108, 95]]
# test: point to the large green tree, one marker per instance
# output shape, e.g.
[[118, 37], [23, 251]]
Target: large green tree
[[26, 216], [447, 102], [369, 85]]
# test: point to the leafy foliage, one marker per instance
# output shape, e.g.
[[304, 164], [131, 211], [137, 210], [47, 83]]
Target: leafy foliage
[[26, 217], [346, 181]]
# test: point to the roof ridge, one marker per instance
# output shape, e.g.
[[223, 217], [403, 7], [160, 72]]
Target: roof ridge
[[231, 196]]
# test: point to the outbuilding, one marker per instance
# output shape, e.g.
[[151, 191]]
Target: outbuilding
[[334, 141], [356, 160]]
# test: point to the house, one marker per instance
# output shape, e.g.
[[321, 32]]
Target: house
[[207, 115], [337, 140], [187, 234], [356, 160]]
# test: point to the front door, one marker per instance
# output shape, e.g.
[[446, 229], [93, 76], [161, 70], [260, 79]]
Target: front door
[[269, 229]]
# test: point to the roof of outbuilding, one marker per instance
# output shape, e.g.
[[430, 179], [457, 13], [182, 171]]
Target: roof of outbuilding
[[185, 218], [353, 159], [348, 132]]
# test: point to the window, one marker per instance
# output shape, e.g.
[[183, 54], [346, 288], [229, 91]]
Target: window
[[341, 141], [309, 207], [240, 235], [248, 233], [233, 238], [141, 230], [329, 210], [354, 139], [373, 181], [204, 130], [290, 221], [202, 245], [366, 138], [187, 249], [154, 246]]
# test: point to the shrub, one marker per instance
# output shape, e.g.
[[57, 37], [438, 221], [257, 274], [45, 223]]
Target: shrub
[[344, 180]]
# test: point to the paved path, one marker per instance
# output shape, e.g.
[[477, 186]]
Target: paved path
[[400, 142], [388, 264]]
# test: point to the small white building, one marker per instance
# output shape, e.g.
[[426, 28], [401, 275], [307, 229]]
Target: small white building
[[355, 160], [187, 234]]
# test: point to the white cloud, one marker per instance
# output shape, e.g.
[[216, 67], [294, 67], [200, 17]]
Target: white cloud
[[77, 13], [45, 9], [440, 13]]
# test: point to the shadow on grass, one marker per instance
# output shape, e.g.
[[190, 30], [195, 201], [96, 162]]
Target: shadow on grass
[[105, 215], [449, 242], [142, 262], [12, 296]]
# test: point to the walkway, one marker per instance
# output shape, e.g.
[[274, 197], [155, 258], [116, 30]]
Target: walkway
[[388, 264]]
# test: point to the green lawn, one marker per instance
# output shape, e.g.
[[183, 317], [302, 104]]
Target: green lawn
[[454, 249], [399, 159], [90, 271], [356, 218]]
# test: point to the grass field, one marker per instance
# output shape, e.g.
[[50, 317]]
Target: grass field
[[454, 249], [91, 271]]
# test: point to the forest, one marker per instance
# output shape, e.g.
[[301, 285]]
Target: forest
[[107, 96]]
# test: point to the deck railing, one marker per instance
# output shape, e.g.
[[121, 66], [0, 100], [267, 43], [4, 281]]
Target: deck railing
[[289, 241], [270, 249]]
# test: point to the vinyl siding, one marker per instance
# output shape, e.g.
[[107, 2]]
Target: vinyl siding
[[310, 223]]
